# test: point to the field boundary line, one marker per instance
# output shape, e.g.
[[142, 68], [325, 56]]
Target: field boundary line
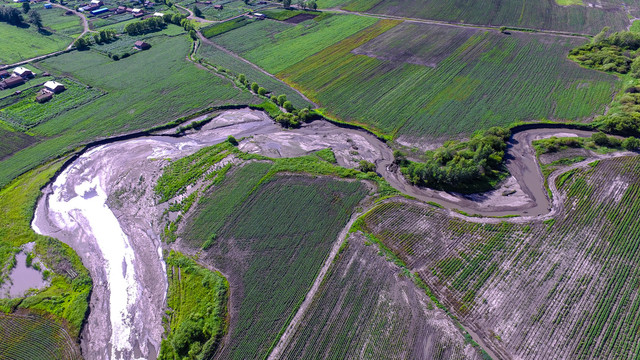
[[309, 297]]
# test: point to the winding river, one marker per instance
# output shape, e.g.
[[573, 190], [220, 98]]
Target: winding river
[[103, 205]]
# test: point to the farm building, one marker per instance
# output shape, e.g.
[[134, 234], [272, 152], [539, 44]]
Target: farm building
[[121, 10], [54, 87], [48, 6], [259, 16], [99, 11], [158, 14], [218, 7], [10, 82], [4, 74], [44, 96], [141, 45], [97, 2], [23, 72]]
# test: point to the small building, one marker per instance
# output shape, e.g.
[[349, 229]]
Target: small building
[[23, 72], [259, 16], [99, 11], [48, 6], [19, 1], [4, 74], [10, 82], [141, 45], [121, 10], [218, 7], [136, 10], [158, 14], [44, 96], [97, 2], [54, 87]]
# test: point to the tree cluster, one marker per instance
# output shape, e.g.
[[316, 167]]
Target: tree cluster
[[11, 15], [104, 36], [459, 166], [615, 53], [145, 26]]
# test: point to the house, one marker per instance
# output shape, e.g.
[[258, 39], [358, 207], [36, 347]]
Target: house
[[97, 2], [48, 6], [158, 14], [54, 87], [137, 12], [23, 72], [10, 82], [218, 7], [121, 10], [259, 16], [141, 45], [4, 74], [44, 96], [19, 1], [137, 15], [99, 11]]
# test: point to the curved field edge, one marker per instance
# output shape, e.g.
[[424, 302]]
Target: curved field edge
[[66, 300], [561, 272]]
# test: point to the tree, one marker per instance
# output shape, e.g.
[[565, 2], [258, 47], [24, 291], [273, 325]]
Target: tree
[[301, 4], [232, 140], [313, 5], [80, 43], [262, 91], [367, 166], [25, 7], [631, 144], [286, 4], [281, 99], [288, 106], [193, 35], [35, 19], [196, 11], [503, 29], [600, 139], [11, 15], [255, 87], [242, 78]]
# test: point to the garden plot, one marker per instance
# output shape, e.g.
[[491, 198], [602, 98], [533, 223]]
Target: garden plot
[[561, 288]]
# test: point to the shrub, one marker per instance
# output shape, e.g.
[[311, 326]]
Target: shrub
[[232, 140], [631, 143], [288, 106], [367, 166], [255, 87], [262, 91], [281, 99]]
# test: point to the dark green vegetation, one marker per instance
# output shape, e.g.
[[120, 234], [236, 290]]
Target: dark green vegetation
[[135, 98], [471, 166], [28, 336], [537, 290], [68, 296], [544, 14], [490, 80], [598, 142], [270, 239], [367, 308], [197, 298]]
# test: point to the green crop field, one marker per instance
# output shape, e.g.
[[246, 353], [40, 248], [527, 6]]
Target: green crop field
[[492, 79], [20, 44], [12, 140], [56, 21], [275, 45], [271, 242], [28, 336], [367, 308], [136, 98], [563, 287], [544, 14]]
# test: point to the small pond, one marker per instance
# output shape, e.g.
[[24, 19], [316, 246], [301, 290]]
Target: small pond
[[21, 278]]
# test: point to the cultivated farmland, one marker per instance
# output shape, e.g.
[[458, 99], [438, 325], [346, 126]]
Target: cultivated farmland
[[544, 14], [27, 336], [270, 243], [562, 288], [367, 307], [491, 79]]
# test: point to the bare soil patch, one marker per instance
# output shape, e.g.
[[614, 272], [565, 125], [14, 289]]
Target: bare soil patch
[[300, 18]]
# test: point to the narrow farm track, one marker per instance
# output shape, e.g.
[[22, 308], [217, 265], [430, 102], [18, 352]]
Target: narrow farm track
[[308, 299], [229, 52], [85, 22]]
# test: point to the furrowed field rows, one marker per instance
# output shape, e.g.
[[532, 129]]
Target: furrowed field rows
[[270, 240], [574, 278], [30, 336], [367, 309], [544, 14], [491, 79]]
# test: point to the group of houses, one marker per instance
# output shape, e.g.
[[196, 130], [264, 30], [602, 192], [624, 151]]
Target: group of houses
[[96, 7], [16, 78]]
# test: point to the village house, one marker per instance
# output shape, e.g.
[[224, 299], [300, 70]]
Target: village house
[[54, 87], [48, 6], [10, 82], [259, 16], [218, 7], [141, 45], [137, 12], [158, 14], [23, 72], [44, 96]]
